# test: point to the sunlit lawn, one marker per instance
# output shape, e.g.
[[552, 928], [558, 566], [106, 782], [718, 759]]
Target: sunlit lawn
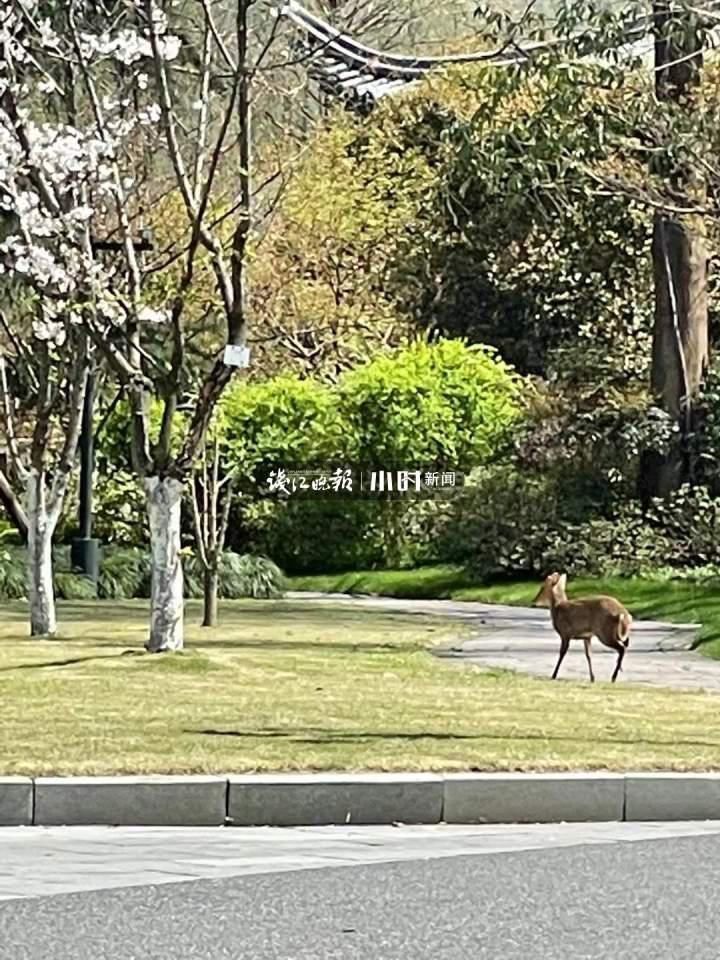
[[280, 686]]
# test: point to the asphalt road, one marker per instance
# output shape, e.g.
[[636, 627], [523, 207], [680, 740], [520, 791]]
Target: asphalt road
[[613, 895]]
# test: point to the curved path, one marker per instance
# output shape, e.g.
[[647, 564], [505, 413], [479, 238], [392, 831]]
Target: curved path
[[522, 638]]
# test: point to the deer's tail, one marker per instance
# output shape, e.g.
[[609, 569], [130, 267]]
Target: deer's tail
[[624, 624]]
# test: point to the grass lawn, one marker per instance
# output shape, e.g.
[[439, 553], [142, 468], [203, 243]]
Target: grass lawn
[[677, 600], [279, 686]]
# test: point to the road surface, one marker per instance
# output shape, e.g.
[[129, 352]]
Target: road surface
[[539, 892]]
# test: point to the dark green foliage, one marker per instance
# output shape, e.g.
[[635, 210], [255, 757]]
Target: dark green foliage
[[250, 576], [69, 585], [239, 577], [312, 536], [124, 573], [518, 523], [74, 586], [705, 441], [13, 573]]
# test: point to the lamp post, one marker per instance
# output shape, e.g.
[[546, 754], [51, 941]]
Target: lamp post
[[85, 549]]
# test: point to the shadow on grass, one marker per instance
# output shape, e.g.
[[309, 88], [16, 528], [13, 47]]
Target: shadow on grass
[[70, 662], [300, 645], [319, 737]]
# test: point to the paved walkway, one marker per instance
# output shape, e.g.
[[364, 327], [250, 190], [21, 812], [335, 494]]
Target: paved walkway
[[522, 638], [41, 861]]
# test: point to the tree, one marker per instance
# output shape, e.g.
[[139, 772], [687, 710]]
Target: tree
[[53, 177], [212, 496], [56, 377], [125, 83], [671, 124], [680, 332], [321, 270]]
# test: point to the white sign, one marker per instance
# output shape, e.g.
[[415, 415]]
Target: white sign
[[236, 356]]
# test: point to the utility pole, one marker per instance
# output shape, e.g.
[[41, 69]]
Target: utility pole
[[85, 549]]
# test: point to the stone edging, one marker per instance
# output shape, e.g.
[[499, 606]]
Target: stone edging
[[317, 799]]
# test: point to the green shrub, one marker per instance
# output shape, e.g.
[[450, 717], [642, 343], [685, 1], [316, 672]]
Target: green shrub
[[495, 523], [705, 442], [13, 573], [73, 586], [250, 576], [509, 522], [690, 518], [623, 546], [124, 573], [317, 536], [443, 404], [239, 576]]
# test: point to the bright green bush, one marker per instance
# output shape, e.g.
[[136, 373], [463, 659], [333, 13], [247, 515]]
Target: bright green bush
[[444, 403]]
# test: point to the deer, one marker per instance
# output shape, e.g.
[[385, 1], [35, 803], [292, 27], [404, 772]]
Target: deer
[[602, 617]]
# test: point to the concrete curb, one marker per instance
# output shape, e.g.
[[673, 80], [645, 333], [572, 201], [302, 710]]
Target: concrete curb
[[16, 801], [343, 798], [130, 801], [307, 800]]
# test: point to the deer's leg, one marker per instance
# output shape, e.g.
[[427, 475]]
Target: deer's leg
[[564, 644], [587, 641], [621, 653]]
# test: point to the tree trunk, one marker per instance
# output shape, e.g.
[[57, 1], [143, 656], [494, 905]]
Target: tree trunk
[[210, 596], [680, 330], [164, 501], [680, 339], [41, 526]]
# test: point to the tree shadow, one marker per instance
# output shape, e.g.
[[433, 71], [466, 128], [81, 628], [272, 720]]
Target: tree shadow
[[310, 735], [300, 645], [71, 661]]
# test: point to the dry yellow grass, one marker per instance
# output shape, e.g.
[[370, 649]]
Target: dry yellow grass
[[280, 686]]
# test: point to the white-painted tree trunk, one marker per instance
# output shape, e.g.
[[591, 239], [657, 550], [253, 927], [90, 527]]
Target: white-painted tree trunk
[[41, 526], [164, 500]]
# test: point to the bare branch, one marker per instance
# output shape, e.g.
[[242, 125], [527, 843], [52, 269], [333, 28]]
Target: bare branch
[[203, 118], [197, 522], [13, 506], [9, 417], [222, 46]]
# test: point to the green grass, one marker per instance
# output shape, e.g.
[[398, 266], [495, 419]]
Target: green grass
[[424, 583], [681, 601], [281, 686]]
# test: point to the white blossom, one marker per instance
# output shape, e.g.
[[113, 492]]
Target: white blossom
[[50, 330], [169, 47], [110, 309], [127, 46], [82, 213], [48, 37], [150, 315], [150, 115]]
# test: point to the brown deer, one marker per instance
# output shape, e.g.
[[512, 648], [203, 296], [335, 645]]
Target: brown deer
[[602, 617]]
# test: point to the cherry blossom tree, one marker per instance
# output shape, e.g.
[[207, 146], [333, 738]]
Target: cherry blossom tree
[[107, 109], [55, 178]]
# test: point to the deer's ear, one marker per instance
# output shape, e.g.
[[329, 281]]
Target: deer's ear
[[562, 580], [553, 578]]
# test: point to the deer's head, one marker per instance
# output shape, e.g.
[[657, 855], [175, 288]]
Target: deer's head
[[552, 589]]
